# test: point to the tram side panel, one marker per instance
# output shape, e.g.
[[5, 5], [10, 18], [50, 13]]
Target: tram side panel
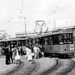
[[59, 50], [52, 50]]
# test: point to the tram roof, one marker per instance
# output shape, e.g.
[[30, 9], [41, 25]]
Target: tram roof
[[13, 39], [51, 33]]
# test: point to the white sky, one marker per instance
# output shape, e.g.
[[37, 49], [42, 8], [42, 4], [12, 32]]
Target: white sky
[[35, 10]]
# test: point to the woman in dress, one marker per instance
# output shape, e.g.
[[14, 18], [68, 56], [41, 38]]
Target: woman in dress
[[17, 56]]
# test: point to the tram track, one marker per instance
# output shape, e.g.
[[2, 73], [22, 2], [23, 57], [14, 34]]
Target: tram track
[[35, 68], [70, 67], [66, 69], [22, 70], [60, 68], [32, 69], [54, 68], [16, 69], [42, 66]]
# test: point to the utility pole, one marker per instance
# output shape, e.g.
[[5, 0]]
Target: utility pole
[[55, 14], [25, 23]]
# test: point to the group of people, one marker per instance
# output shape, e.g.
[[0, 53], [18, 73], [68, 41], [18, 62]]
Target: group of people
[[8, 54], [14, 53], [11, 53], [34, 52]]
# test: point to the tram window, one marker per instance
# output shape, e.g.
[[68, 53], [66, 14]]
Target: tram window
[[2, 43], [55, 39], [46, 40], [14, 43], [34, 41], [68, 38], [50, 40], [65, 38], [61, 39], [40, 41], [30, 42], [19, 43], [37, 41], [26, 42], [22, 42]]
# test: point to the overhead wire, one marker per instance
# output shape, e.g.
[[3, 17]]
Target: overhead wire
[[53, 11], [51, 15], [4, 23], [19, 13], [9, 20], [15, 16]]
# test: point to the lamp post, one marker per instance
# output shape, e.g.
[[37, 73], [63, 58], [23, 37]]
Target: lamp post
[[25, 23]]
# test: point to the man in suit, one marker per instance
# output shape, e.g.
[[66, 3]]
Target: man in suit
[[7, 54], [11, 52]]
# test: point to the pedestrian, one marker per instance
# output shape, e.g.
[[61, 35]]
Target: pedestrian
[[41, 54], [21, 51], [7, 54], [36, 50], [17, 56], [11, 53], [29, 53]]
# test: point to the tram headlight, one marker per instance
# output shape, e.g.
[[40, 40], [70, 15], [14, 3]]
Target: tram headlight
[[71, 46]]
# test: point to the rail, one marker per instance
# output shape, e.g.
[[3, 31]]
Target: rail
[[13, 72], [66, 69], [49, 71], [20, 65]]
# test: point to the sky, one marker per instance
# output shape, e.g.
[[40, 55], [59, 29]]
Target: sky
[[33, 10]]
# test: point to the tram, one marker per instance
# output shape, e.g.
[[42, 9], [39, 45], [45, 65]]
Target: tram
[[13, 42], [59, 43]]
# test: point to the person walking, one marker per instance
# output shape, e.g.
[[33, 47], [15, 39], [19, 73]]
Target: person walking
[[29, 53]]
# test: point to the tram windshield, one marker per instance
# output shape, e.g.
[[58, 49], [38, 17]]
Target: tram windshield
[[65, 38]]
